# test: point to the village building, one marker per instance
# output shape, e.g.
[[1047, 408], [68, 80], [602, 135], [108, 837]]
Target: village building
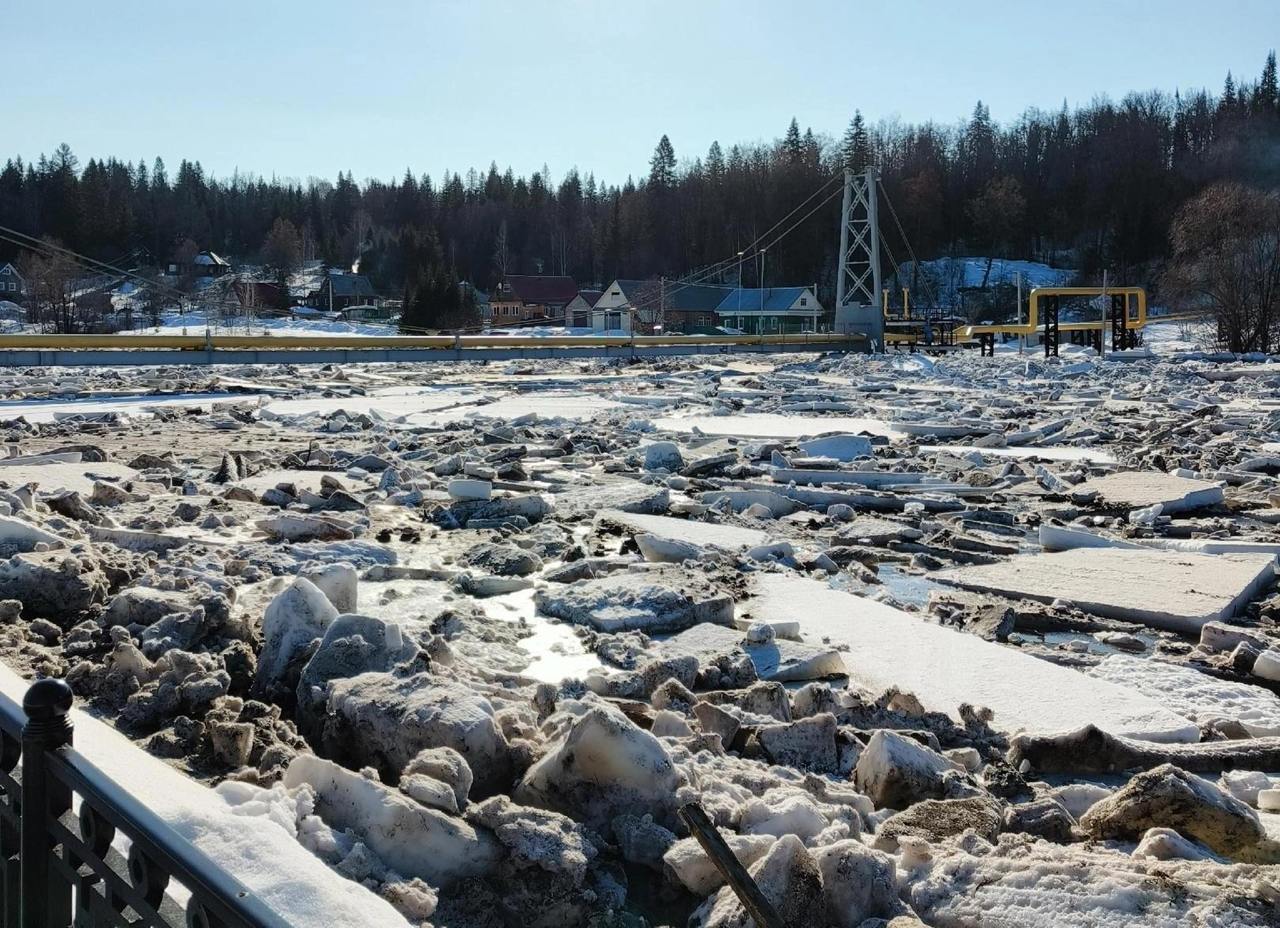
[[770, 311], [658, 307], [578, 313], [527, 297], [339, 290], [204, 264], [12, 286]]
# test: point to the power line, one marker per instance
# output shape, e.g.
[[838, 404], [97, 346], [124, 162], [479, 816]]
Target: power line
[[755, 247], [728, 262], [906, 241]]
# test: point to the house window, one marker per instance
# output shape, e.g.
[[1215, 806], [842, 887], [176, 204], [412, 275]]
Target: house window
[[12, 285], [804, 301]]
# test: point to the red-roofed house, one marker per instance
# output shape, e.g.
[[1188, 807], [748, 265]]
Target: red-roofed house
[[522, 297]]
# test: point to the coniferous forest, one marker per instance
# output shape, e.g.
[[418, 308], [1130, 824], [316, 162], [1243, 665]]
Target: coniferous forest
[[1091, 188]]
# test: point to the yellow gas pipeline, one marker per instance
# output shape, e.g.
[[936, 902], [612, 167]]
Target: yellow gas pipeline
[[460, 342], [1033, 313]]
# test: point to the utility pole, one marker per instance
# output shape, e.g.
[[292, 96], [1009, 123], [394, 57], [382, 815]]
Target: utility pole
[[760, 321], [1106, 318], [738, 320], [1022, 339]]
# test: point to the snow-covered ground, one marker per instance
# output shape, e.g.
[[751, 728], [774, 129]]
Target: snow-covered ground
[[194, 323], [1171, 337]]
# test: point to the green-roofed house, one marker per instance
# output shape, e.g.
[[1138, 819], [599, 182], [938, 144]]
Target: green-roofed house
[[770, 311]]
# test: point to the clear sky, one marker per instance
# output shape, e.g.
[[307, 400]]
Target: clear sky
[[297, 89]]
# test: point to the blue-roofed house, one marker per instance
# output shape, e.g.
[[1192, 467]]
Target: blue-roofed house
[[772, 310]]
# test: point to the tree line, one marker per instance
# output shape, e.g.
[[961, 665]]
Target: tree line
[[1094, 187]]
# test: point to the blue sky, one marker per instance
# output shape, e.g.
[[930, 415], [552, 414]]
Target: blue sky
[[298, 89]]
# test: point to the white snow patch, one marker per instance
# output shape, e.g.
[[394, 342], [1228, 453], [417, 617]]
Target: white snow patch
[[1194, 695]]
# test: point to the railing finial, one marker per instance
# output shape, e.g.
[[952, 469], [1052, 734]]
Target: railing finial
[[47, 704]]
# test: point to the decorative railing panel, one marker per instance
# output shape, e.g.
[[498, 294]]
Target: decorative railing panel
[[65, 868]]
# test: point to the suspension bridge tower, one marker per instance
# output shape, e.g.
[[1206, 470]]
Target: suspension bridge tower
[[858, 281]]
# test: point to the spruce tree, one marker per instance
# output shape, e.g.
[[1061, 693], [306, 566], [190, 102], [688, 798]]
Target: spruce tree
[[855, 149], [662, 167], [1265, 96], [1227, 105], [791, 146], [715, 161]]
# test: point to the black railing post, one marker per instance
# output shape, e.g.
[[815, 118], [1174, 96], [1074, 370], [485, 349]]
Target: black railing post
[[10, 836], [47, 705]]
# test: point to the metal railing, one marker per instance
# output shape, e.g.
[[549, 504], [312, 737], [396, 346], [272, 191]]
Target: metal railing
[[64, 868]]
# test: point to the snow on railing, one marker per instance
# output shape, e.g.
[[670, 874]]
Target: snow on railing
[[64, 867]]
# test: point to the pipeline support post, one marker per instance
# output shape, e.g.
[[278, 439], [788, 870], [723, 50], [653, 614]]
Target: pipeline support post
[[1051, 331], [1121, 338]]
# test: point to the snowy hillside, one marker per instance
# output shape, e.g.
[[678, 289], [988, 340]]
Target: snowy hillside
[[950, 275]]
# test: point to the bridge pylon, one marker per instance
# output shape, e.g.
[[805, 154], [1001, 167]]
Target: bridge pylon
[[858, 276]]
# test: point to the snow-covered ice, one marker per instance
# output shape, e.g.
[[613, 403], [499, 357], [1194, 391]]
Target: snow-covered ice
[[945, 668]]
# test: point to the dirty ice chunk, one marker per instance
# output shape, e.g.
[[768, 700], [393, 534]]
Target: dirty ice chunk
[[650, 601], [1180, 592], [702, 534], [410, 838], [1141, 489], [776, 659], [840, 447]]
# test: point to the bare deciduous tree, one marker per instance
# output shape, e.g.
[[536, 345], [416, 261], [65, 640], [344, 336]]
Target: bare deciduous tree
[[282, 250], [50, 290], [997, 215], [1226, 261], [184, 256], [94, 312], [501, 253]]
